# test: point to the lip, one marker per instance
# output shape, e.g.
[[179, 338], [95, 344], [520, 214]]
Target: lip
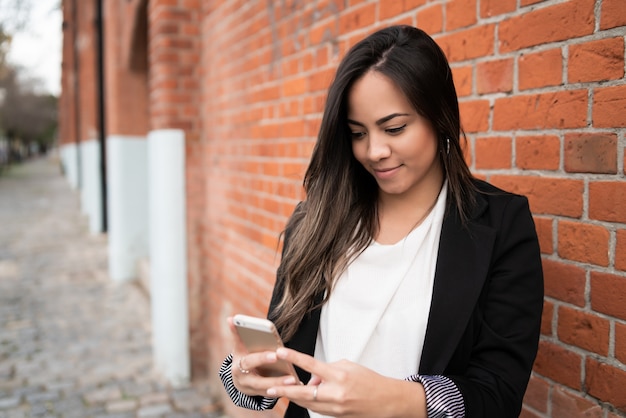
[[385, 173]]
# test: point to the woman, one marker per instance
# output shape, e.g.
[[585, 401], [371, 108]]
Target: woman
[[406, 286]]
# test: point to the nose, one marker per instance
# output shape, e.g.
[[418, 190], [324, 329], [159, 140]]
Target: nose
[[378, 147]]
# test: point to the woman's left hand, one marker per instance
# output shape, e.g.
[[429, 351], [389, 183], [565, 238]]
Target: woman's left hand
[[347, 389]]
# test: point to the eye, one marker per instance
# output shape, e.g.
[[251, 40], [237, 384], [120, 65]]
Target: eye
[[395, 131], [357, 135]]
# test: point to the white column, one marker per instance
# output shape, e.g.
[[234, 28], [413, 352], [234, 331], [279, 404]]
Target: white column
[[70, 164], [127, 204], [91, 184], [168, 254]]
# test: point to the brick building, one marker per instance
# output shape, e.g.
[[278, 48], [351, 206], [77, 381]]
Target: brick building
[[206, 112]]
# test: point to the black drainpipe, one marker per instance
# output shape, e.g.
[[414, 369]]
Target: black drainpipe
[[101, 111], [76, 91]]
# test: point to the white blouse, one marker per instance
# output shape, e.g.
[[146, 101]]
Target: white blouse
[[378, 311]]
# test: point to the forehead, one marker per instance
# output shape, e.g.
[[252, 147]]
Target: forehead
[[374, 96]]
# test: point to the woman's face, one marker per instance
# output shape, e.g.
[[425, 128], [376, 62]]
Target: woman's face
[[390, 139]]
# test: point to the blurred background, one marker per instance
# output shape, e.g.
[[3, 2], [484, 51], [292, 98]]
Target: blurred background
[[30, 76]]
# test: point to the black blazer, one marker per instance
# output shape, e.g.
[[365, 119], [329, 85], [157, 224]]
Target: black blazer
[[485, 315]]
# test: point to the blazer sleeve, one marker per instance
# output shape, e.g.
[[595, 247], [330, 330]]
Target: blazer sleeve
[[509, 317]]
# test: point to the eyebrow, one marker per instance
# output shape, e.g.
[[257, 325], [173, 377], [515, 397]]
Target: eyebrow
[[381, 120]]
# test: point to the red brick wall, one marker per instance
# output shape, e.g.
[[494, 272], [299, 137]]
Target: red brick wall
[[543, 101], [126, 67], [77, 103]]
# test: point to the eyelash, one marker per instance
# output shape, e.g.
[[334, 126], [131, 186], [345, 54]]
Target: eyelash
[[395, 131], [390, 131]]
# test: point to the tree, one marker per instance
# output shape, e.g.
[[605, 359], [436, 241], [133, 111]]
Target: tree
[[14, 16], [28, 118]]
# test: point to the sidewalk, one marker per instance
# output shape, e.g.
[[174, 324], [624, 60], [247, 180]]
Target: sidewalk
[[73, 344]]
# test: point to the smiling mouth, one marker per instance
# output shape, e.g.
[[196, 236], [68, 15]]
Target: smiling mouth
[[385, 172]]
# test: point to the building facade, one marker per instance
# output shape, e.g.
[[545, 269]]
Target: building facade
[[187, 126]]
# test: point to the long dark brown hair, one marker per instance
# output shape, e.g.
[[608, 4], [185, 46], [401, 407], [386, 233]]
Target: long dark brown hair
[[339, 217]]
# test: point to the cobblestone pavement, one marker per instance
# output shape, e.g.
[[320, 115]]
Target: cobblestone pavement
[[72, 342]]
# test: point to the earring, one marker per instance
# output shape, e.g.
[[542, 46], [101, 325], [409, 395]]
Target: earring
[[448, 146]]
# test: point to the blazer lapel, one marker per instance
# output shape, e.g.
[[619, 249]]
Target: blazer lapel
[[462, 266]]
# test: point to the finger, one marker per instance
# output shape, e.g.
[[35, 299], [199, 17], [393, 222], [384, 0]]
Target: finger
[[253, 384], [314, 380], [305, 362], [251, 361], [302, 395]]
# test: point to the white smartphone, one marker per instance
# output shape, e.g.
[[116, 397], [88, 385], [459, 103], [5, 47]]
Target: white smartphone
[[259, 334]]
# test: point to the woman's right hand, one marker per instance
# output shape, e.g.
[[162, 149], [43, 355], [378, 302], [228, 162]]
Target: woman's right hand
[[244, 368]]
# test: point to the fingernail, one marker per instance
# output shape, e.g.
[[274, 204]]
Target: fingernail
[[271, 391], [290, 380], [271, 356], [281, 352]]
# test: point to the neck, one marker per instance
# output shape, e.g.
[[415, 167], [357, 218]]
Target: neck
[[397, 216], [413, 203]]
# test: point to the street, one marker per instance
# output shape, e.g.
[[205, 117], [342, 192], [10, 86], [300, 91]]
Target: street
[[73, 343]]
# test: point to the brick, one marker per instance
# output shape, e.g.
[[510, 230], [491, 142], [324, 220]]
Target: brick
[[608, 107], [546, 318], [490, 8], [538, 152], [154, 411], [607, 201], [620, 342], [608, 294], [612, 14], [540, 69], [620, 249], [320, 80], [412, 4], [599, 60], [295, 86], [493, 153], [546, 195], [559, 110], [389, 8], [544, 234], [568, 404], [606, 383], [565, 282], [536, 395], [430, 18], [558, 363], [458, 47], [460, 13], [474, 115], [357, 18], [583, 242], [9, 402], [462, 77], [584, 330], [590, 153], [494, 76], [559, 22]]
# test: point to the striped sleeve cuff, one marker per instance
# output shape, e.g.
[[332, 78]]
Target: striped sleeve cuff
[[443, 397], [256, 403]]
